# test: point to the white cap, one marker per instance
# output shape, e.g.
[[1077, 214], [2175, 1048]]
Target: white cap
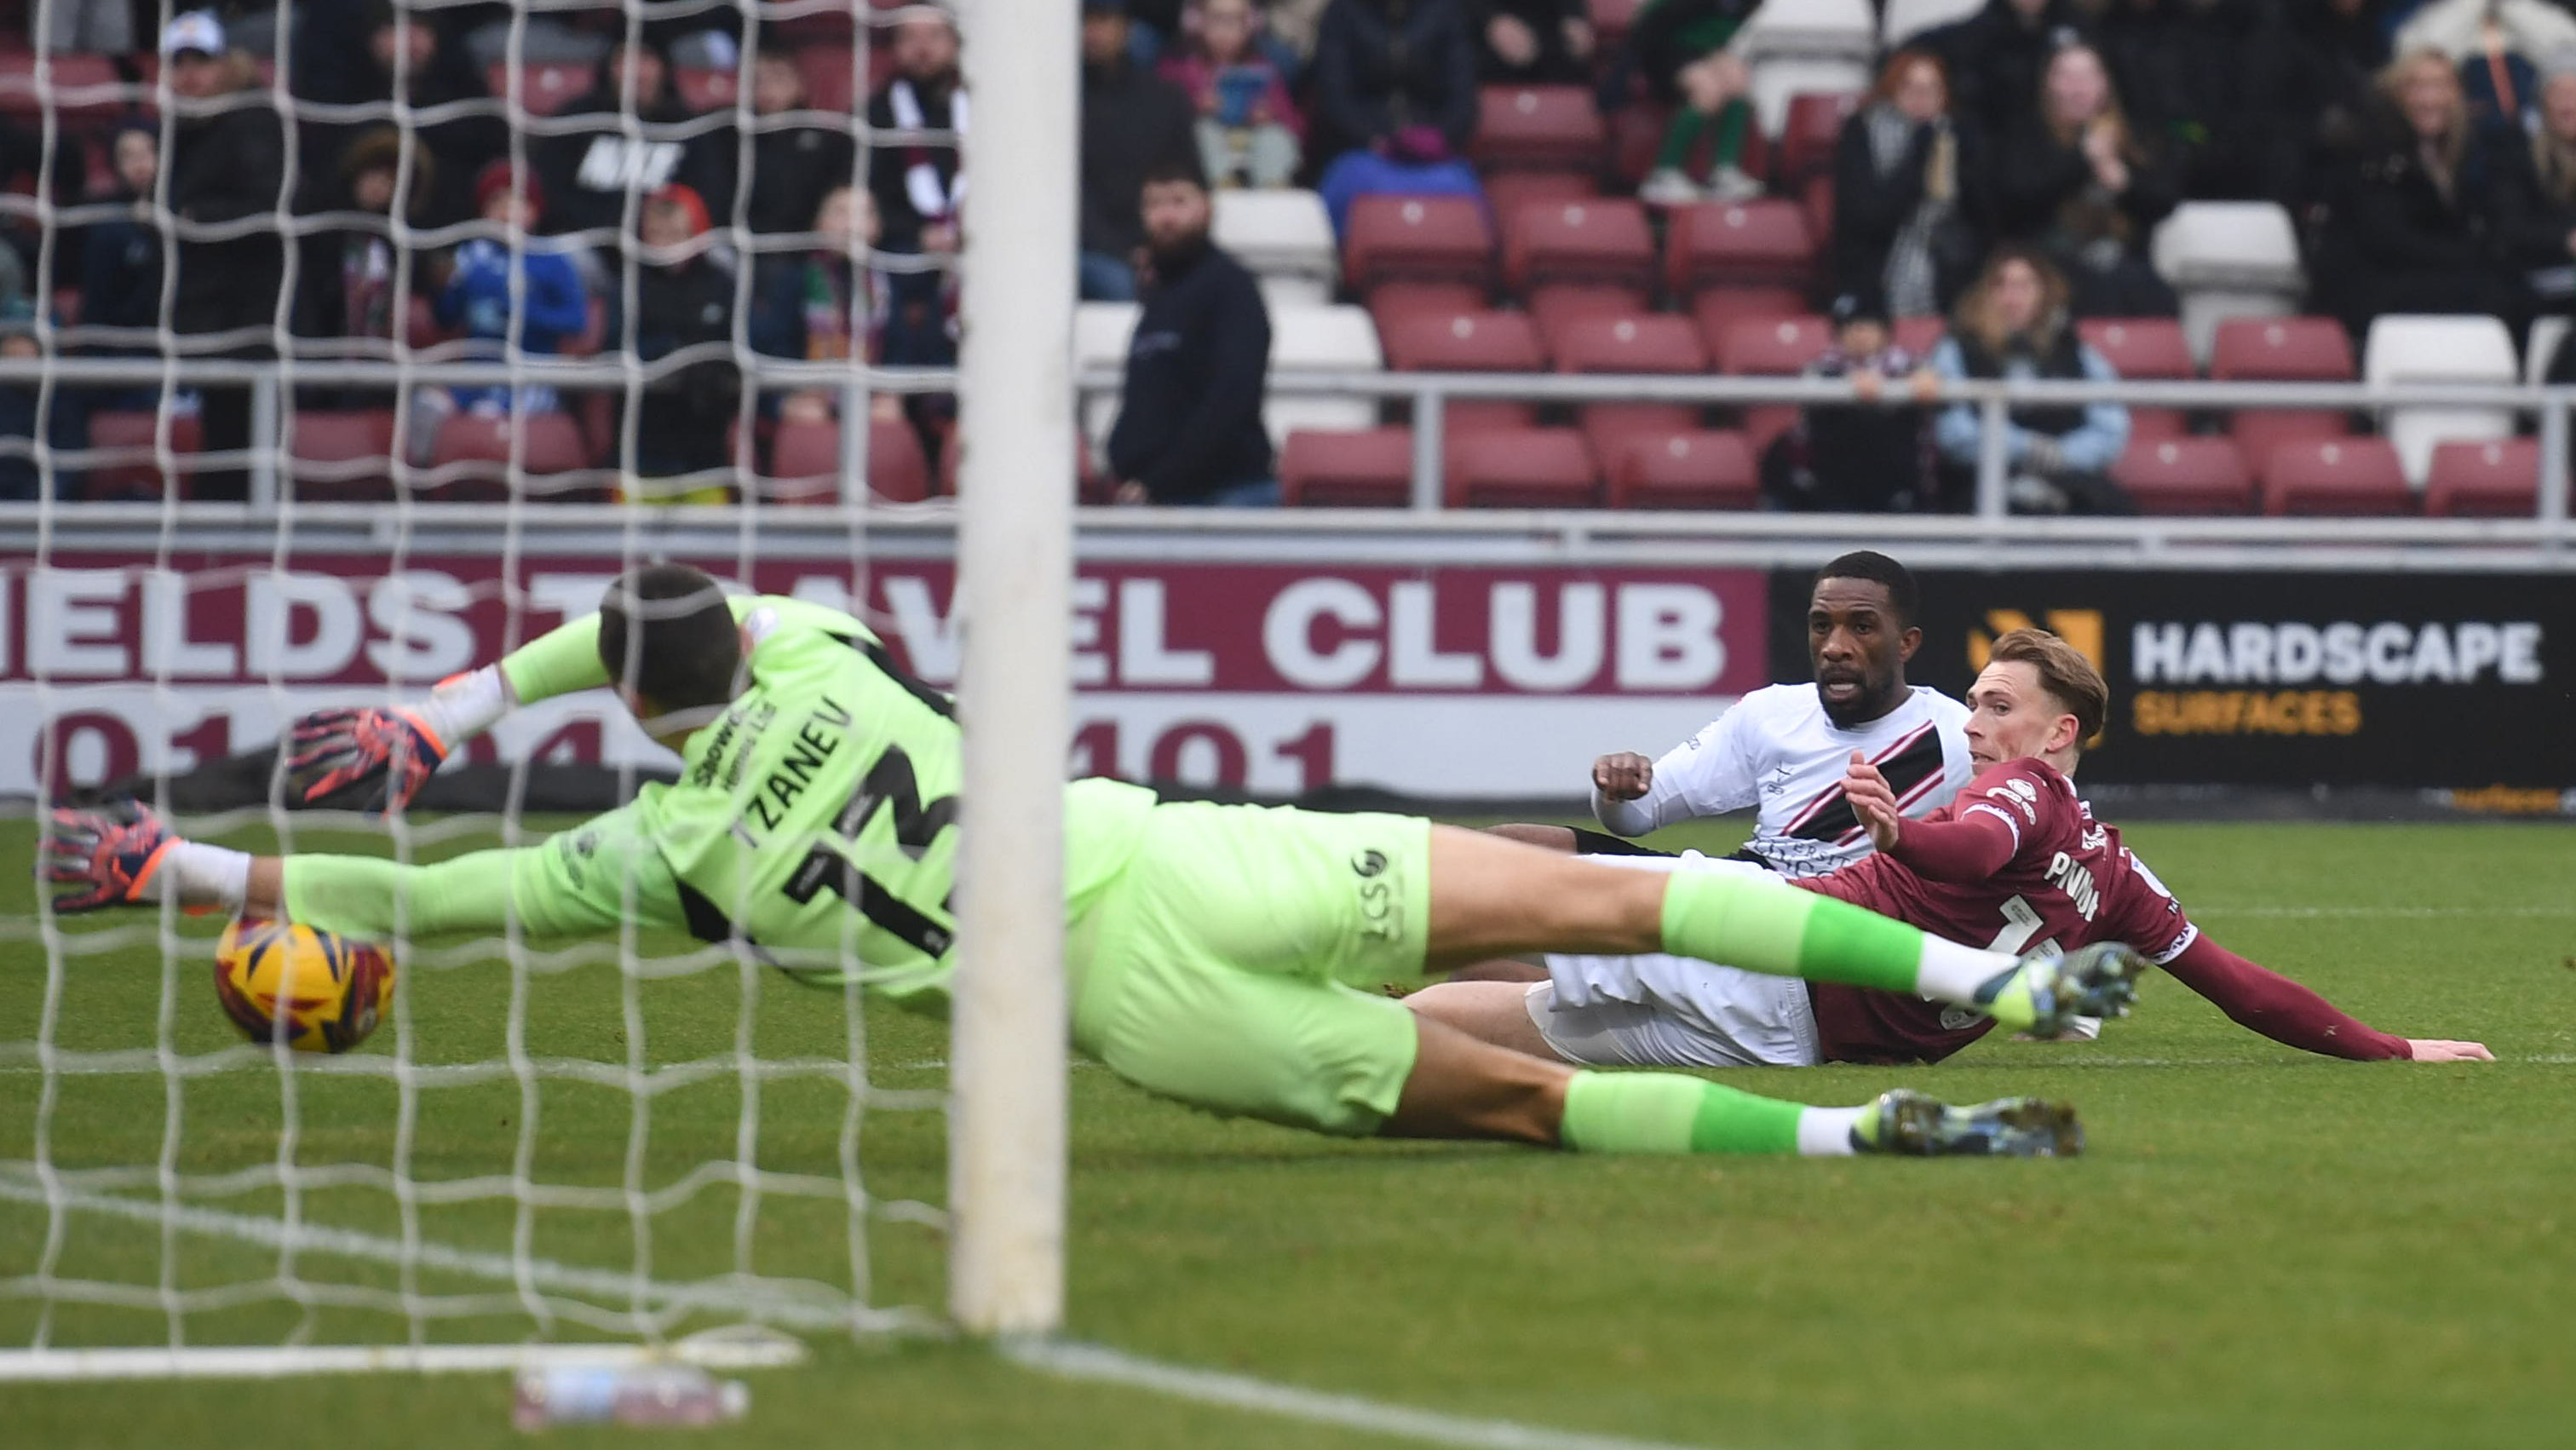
[[196, 30]]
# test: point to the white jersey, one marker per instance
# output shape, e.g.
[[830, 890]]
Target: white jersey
[[1777, 750]]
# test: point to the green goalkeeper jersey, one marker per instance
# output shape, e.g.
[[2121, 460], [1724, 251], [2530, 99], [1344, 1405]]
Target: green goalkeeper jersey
[[815, 819]]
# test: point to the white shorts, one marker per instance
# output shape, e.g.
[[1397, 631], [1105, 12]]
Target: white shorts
[[1661, 1010]]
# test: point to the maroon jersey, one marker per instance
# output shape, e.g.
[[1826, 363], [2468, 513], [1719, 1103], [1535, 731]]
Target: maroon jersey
[[2067, 883]]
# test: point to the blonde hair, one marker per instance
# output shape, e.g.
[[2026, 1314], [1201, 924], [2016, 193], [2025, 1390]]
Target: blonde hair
[[2391, 86]]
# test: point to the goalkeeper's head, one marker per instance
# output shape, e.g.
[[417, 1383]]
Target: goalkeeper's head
[[671, 646]]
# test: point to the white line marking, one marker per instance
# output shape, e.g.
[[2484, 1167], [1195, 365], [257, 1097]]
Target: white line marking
[[1069, 1360], [2203, 908]]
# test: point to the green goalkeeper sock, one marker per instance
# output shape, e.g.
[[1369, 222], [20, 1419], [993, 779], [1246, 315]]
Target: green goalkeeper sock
[[1656, 1112], [1770, 926]]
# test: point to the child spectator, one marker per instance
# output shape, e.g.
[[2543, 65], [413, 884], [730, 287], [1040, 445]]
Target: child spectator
[[2088, 188], [1908, 192], [683, 299], [2013, 324], [1383, 67], [350, 272], [1249, 130], [121, 258], [1861, 457], [792, 166], [552, 305], [21, 403], [835, 304]]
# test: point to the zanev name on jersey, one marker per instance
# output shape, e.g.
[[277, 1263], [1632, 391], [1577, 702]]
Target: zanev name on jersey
[[803, 761], [2341, 653]]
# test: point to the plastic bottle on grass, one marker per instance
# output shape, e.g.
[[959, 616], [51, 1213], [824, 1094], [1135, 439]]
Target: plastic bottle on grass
[[650, 1394]]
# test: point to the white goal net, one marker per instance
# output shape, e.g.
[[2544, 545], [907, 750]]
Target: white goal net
[[362, 343]]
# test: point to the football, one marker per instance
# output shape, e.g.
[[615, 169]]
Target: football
[[321, 992]]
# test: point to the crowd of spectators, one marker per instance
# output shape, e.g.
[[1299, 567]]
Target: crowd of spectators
[[2005, 172]]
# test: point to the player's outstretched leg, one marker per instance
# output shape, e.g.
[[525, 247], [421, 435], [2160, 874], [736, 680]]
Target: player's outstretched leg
[[1491, 897], [1463, 1088]]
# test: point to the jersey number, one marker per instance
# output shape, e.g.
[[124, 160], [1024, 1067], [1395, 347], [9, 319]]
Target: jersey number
[[889, 782], [2021, 923]]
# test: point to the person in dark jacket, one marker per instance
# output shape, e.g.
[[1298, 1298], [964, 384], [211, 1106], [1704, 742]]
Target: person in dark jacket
[[1189, 427], [2409, 229], [586, 172], [227, 164], [792, 166], [121, 258], [2058, 456], [683, 299], [1910, 192], [1382, 66], [2337, 49], [1133, 122], [2079, 181], [2206, 79], [1996, 58], [435, 73], [918, 185], [25, 410], [1533, 42], [350, 273], [1872, 455], [2535, 201]]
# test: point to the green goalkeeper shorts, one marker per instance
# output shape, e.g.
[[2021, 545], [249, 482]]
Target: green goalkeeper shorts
[[1230, 964]]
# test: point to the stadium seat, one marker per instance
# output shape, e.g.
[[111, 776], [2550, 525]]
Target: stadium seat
[[86, 89], [1473, 342], [1425, 238], [831, 83], [1371, 468], [472, 453], [1281, 236], [1716, 309], [2146, 349], [1320, 340], [2229, 259], [1807, 137], [1578, 241], [2541, 347], [1776, 79], [1519, 468], [1761, 243], [1508, 191], [2260, 433], [1537, 128], [1611, 20], [1843, 29], [1611, 429], [1696, 469], [549, 86], [1771, 346], [1553, 307], [1905, 19], [805, 459], [1100, 334], [1653, 342], [2185, 476], [1390, 303], [1816, 204], [2281, 350], [2498, 480], [128, 464], [1636, 134], [342, 456], [2427, 348], [2338, 476]]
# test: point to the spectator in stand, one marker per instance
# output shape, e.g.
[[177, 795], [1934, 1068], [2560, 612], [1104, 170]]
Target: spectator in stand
[[1289, 29], [1909, 192], [792, 166], [2204, 78], [917, 185], [683, 299], [1873, 455], [1386, 67], [121, 258], [2535, 201], [553, 305], [2337, 50], [350, 272], [1189, 428], [1132, 122], [835, 304], [1997, 57], [2088, 188], [1679, 48], [1249, 129], [2013, 324], [2492, 39], [434, 74], [2410, 226], [588, 171], [65, 429], [227, 164], [1534, 42]]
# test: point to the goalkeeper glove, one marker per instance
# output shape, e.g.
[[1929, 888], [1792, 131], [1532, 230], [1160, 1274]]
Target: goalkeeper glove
[[111, 854], [385, 753]]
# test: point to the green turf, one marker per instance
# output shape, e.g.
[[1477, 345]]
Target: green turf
[[2261, 1248]]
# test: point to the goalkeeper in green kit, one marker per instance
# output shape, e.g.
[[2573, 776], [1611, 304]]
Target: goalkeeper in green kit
[[1217, 953]]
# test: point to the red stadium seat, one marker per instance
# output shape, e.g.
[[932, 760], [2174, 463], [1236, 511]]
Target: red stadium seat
[[1554, 307], [830, 83], [1520, 468], [1717, 309], [1919, 335], [2185, 476], [1686, 470], [1611, 429], [1653, 342], [805, 462], [1429, 238], [2282, 350], [1816, 204], [1508, 191], [342, 455], [1473, 342], [1636, 135], [1391, 303], [2264, 432], [2338, 476], [84, 88], [1751, 243], [1610, 21], [1578, 241], [2497, 480], [1772, 346], [1536, 128], [549, 85], [2143, 348], [1808, 135], [129, 465], [2154, 425], [1368, 469], [704, 89], [473, 452]]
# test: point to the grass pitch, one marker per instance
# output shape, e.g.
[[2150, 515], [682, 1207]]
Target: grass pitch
[[2261, 1248]]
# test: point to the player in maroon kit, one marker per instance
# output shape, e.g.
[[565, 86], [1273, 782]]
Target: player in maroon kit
[[2015, 862]]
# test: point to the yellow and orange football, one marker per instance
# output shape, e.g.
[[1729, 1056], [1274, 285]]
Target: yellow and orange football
[[318, 991]]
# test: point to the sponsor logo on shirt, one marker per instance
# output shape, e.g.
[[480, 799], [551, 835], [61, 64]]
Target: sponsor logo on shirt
[[2021, 796], [1381, 904]]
